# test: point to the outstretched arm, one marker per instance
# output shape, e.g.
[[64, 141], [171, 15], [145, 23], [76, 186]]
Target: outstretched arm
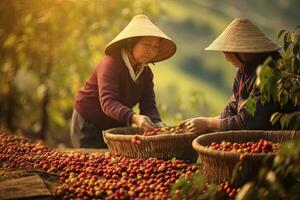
[[201, 124]]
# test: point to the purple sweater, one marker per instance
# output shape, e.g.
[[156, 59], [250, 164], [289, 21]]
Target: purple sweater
[[109, 94]]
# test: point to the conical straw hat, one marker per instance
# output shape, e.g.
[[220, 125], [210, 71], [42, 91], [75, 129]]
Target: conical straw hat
[[140, 25], [244, 37]]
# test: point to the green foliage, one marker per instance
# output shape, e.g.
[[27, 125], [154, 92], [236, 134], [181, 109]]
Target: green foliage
[[193, 187], [251, 105], [47, 50], [282, 84]]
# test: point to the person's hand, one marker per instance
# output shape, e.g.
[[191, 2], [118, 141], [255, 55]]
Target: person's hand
[[159, 124], [182, 123], [142, 121], [196, 125], [201, 124]]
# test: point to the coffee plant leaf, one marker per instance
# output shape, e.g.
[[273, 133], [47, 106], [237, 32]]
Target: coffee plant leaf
[[281, 33], [251, 105], [247, 192]]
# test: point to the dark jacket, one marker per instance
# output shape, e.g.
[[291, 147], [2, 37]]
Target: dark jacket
[[235, 116], [109, 94]]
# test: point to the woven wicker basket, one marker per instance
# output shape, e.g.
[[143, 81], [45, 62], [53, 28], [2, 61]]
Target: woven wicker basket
[[219, 165], [165, 147]]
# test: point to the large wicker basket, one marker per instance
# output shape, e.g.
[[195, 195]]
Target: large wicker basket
[[165, 147], [219, 165]]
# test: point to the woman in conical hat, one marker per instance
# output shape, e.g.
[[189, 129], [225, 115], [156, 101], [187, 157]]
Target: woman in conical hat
[[121, 80], [246, 47]]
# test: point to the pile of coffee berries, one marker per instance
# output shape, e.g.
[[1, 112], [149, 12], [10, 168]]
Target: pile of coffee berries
[[262, 146], [165, 131], [158, 131], [229, 190], [136, 140], [94, 176]]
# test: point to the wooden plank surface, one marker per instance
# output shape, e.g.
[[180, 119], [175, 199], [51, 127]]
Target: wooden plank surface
[[24, 187]]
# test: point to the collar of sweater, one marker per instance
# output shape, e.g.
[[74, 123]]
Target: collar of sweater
[[140, 68]]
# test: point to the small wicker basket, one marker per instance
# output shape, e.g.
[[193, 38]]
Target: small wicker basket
[[165, 147], [219, 165]]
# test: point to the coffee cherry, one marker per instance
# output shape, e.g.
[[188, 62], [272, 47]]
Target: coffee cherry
[[229, 189], [242, 157]]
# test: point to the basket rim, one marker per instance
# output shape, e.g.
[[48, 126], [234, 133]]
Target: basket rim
[[206, 151], [126, 137]]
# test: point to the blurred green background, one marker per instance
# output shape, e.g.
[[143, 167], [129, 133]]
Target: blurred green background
[[48, 48]]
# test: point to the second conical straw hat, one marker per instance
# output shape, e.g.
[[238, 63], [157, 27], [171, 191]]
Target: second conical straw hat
[[241, 35], [139, 26]]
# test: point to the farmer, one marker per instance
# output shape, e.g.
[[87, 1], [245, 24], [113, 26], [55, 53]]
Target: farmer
[[245, 47], [121, 80]]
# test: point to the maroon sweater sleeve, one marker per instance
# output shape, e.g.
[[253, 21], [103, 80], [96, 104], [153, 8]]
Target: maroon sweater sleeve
[[108, 77], [148, 104]]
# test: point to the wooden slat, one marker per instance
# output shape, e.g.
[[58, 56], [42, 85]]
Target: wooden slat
[[24, 187]]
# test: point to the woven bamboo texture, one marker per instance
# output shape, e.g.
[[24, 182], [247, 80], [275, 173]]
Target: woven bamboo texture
[[219, 165], [165, 147]]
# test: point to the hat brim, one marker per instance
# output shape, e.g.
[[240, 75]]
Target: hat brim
[[242, 50], [167, 48], [241, 35]]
